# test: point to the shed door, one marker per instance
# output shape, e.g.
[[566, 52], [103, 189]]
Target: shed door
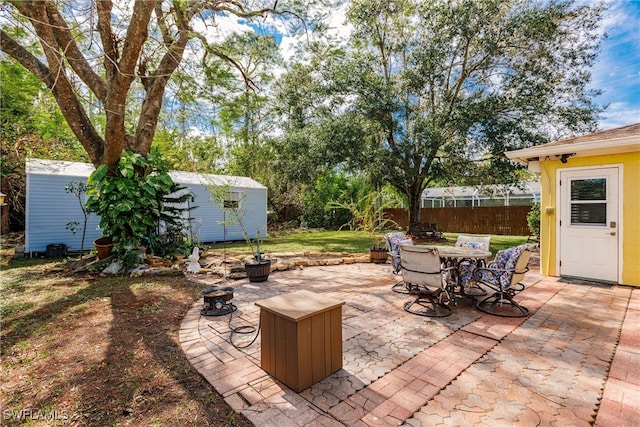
[[589, 226]]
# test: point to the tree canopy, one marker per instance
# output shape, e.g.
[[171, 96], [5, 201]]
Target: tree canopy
[[108, 64], [428, 87]]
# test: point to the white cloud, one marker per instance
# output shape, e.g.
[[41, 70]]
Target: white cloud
[[619, 114]]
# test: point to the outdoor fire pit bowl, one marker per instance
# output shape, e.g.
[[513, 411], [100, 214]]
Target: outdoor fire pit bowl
[[217, 301]]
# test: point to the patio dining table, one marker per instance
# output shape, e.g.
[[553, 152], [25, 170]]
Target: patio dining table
[[453, 253], [453, 256]]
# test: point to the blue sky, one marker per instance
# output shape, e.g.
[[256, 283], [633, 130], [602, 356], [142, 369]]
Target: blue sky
[[617, 70]]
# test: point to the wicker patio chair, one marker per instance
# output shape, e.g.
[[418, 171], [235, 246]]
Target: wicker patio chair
[[394, 240], [467, 266], [504, 276]]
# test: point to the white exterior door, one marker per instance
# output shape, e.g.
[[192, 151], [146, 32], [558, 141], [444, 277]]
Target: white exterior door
[[589, 224]]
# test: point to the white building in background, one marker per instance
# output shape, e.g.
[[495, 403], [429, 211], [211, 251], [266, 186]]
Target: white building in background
[[49, 208], [488, 195]]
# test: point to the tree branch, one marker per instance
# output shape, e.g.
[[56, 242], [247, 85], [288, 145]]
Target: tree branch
[[164, 30], [56, 80], [137, 33], [120, 83], [156, 82], [26, 59], [109, 46], [72, 54], [220, 54]]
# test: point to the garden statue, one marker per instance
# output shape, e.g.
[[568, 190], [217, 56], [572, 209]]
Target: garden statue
[[194, 265]]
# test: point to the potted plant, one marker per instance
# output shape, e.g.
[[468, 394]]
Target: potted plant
[[257, 270], [256, 267], [367, 215], [378, 253]]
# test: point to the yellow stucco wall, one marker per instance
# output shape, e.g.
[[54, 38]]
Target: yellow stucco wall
[[630, 215]]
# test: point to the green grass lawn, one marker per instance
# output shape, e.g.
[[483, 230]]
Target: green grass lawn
[[306, 240], [341, 241]]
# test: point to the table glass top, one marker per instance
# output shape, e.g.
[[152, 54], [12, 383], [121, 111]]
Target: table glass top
[[455, 252]]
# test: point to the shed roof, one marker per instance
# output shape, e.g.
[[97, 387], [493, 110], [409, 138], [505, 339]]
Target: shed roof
[[83, 170], [58, 167], [613, 141], [209, 179]]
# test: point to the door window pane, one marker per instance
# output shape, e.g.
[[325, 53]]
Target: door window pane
[[589, 189], [589, 201], [589, 213]]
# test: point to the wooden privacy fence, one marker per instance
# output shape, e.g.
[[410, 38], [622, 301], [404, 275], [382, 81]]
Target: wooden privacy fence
[[500, 220]]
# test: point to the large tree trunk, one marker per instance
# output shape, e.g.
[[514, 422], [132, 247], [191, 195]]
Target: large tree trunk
[[415, 196]]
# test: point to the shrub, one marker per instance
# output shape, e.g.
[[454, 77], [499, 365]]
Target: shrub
[[367, 215], [533, 219], [131, 202]]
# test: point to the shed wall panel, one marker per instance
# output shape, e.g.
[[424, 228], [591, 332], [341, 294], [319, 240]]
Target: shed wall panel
[[49, 208], [210, 223]]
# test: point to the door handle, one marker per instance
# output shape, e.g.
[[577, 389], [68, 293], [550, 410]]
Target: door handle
[[613, 233]]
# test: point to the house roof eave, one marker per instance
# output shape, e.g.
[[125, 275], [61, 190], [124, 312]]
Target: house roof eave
[[626, 144]]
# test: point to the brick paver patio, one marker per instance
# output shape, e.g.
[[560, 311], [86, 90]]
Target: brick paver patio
[[574, 361]]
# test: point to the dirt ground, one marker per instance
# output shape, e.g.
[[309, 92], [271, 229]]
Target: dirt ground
[[85, 350]]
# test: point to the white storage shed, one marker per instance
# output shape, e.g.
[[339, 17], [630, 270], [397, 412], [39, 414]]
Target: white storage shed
[[49, 208]]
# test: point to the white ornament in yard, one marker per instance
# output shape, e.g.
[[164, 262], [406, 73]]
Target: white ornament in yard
[[114, 268], [194, 265]]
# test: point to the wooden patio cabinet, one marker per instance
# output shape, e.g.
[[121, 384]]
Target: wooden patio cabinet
[[301, 337]]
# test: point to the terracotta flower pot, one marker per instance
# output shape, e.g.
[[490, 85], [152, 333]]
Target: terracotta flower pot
[[104, 246]]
